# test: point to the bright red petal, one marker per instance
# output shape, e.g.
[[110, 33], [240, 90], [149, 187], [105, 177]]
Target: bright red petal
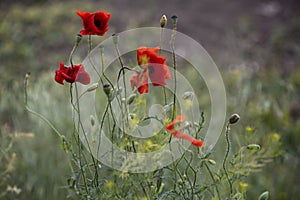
[[178, 119], [140, 81], [82, 76], [197, 143]]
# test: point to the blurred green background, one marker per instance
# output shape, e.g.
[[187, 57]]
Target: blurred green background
[[256, 45]]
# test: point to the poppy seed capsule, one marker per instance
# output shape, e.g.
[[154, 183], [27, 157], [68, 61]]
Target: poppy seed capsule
[[234, 118], [163, 21], [107, 89]]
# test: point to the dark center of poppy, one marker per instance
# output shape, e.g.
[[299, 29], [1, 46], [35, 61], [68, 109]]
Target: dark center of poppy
[[151, 69], [97, 22]]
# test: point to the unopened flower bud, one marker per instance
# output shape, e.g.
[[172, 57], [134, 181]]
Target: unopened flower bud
[[188, 95], [179, 182], [123, 100], [174, 18], [212, 162], [234, 118], [118, 90], [131, 98], [107, 89], [93, 87], [255, 147], [27, 75], [78, 38], [115, 38], [264, 196], [163, 21], [92, 118]]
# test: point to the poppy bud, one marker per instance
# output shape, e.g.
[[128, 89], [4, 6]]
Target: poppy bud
[[115, 38], [123, 100], [179, 182], [212, 162], [27, 75], [174, 18], [255, 147], [78, 38], [93, 87], [163, 21], [118, 90], [188, 96], [234, 118], [264, 196], [131, 98], [107, 89], [92, 118]]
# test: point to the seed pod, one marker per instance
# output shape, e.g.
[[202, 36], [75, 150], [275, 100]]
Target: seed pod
[[163, 21], [234, 118]]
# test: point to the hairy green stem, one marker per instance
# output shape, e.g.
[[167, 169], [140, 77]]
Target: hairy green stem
[[226, 156], [213, 179]]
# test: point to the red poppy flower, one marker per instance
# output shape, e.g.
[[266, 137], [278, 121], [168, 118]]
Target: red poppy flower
[[178, 134], [94, 23], [140, 81], [154, 66], [72, 74]]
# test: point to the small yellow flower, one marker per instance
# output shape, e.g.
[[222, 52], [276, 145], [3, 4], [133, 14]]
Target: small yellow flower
[[188, 103], [109, 184], [249, 129], [275, 137], [243, 186]]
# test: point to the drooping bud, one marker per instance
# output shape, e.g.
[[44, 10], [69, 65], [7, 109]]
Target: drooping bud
[[163, 21], [234, 118], [131, 98], [255, 147], [264, 196], [93, 87]]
